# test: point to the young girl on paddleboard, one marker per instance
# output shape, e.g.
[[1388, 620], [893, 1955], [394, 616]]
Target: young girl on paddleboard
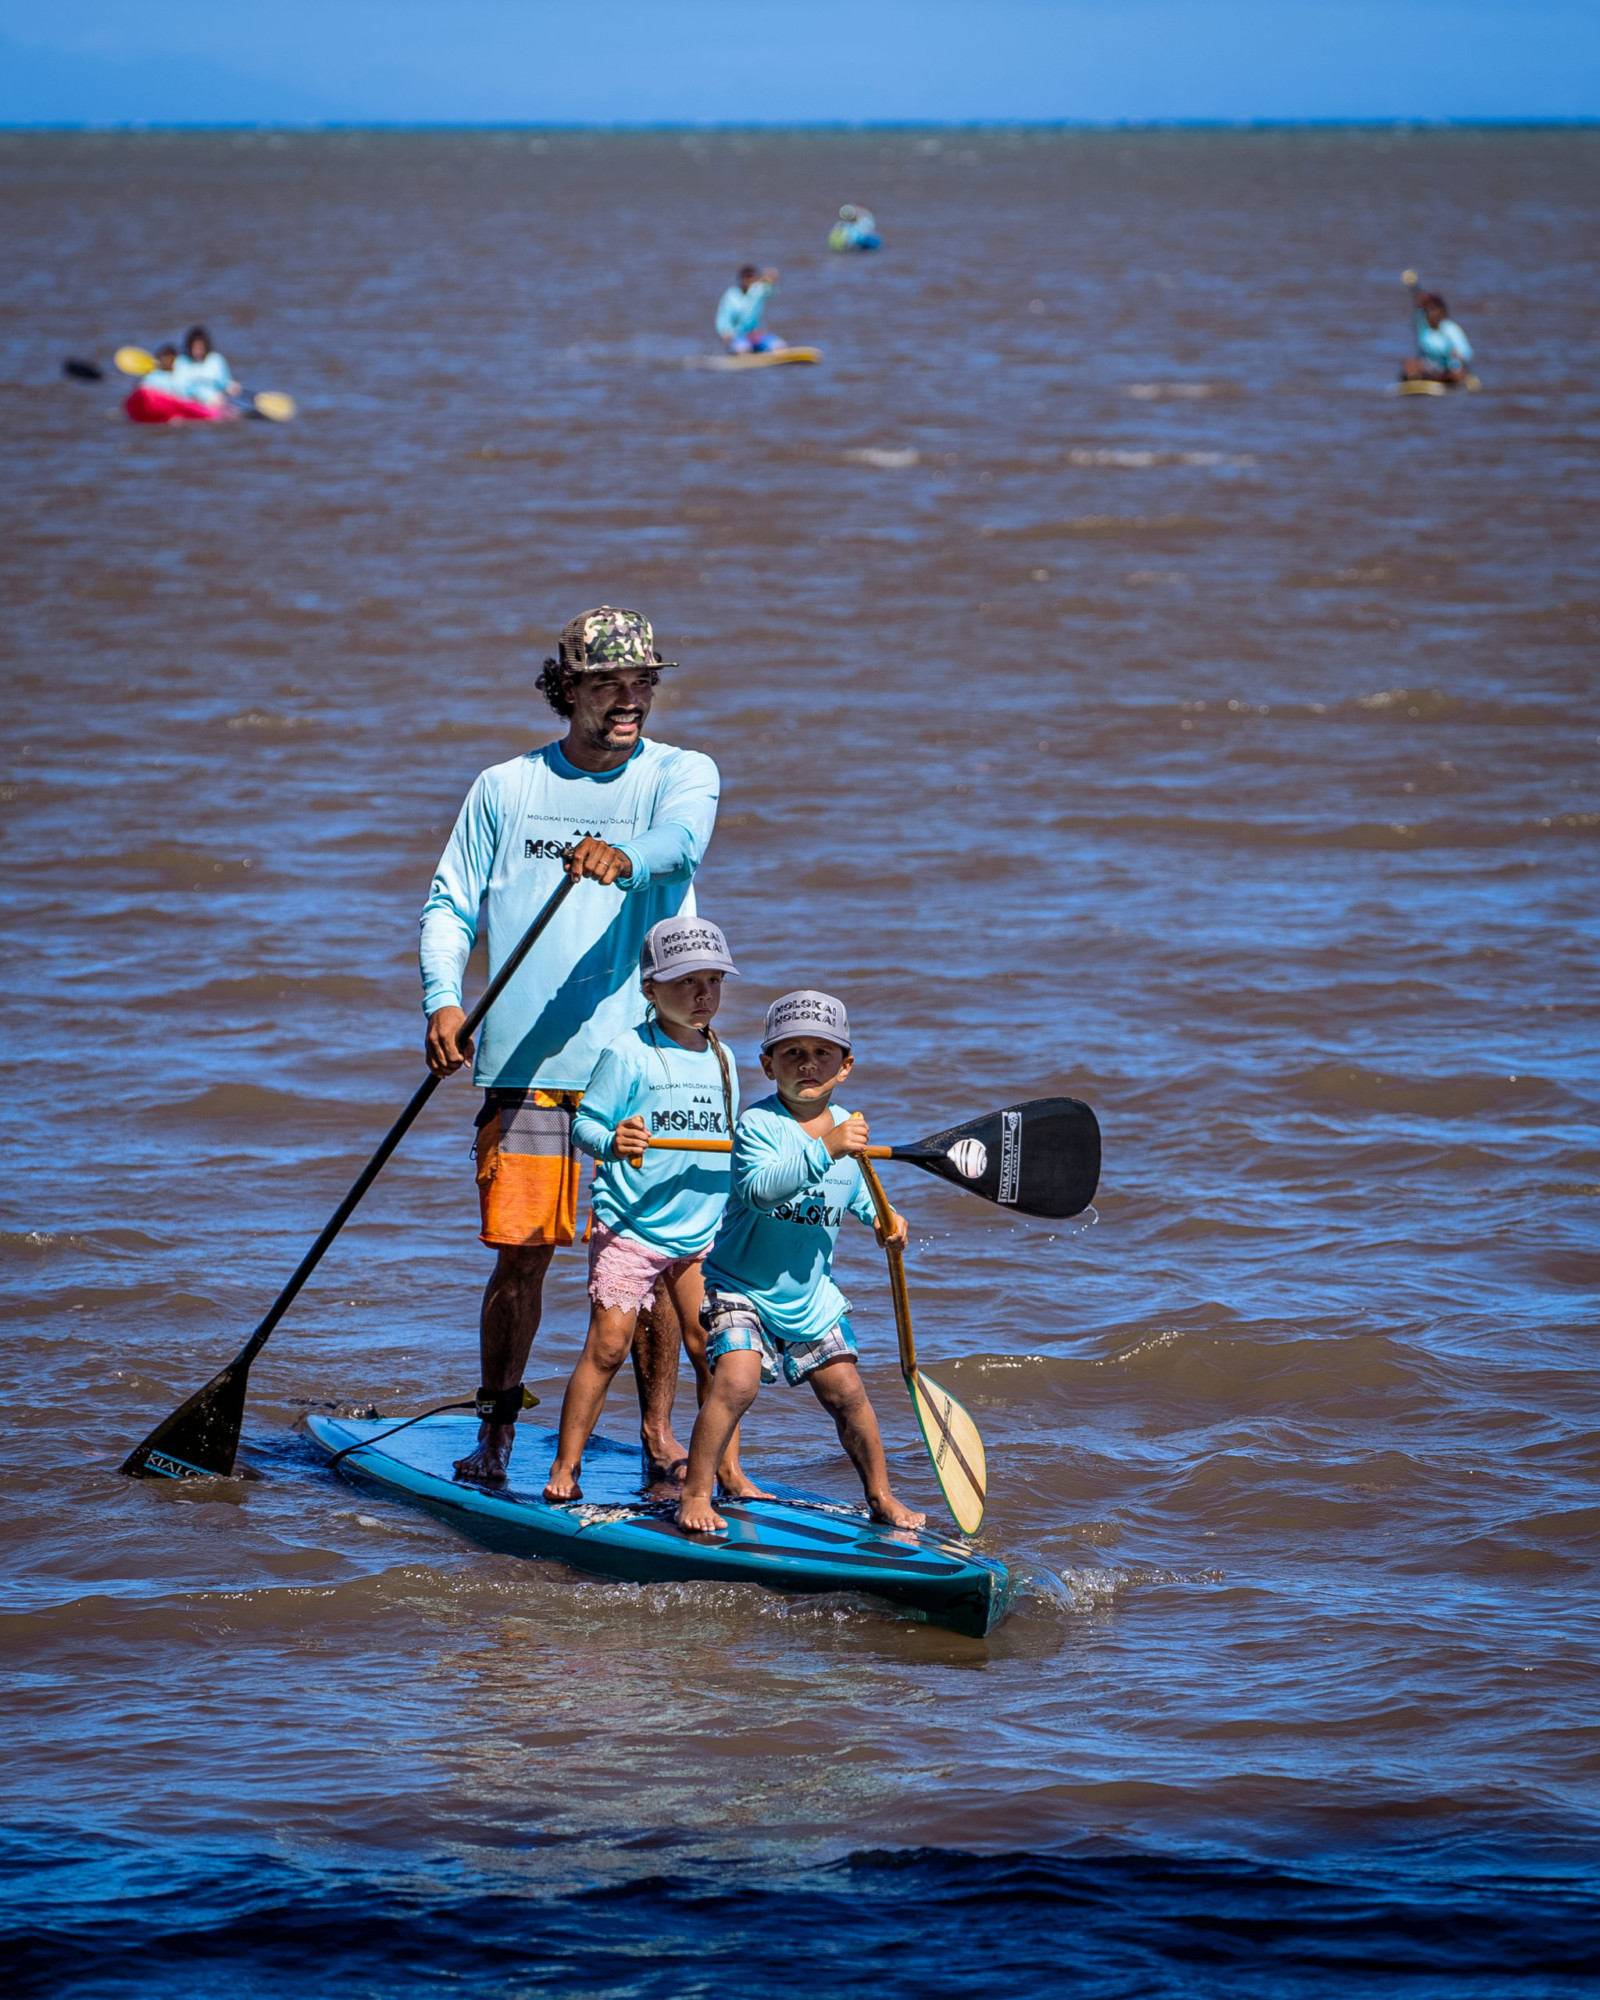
[[653, 1214], [770, 1299]]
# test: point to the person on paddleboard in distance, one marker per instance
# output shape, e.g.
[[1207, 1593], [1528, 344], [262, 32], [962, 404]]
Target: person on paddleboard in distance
[[771, 1301], [740, 311], [204, 373], [1444, 353], [856, 229], [654, 1214], [632, 818]]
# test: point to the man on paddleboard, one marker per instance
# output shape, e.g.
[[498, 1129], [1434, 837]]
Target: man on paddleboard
[[1444, 354], [636, 816], [740, 311]]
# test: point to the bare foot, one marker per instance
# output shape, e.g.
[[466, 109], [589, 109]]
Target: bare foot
[[664, 1459], [486, 1464], [736, 1484], [889, 1510], [699, 1517], [563, 1483]]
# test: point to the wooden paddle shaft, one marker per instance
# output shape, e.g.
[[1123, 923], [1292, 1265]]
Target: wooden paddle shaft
[[897, 1270]]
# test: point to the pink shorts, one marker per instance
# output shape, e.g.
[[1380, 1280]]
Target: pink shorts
[[623, 1271]]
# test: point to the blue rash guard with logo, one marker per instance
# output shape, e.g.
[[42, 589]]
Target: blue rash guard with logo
[[782, 1221], [674, 1201], [579, 991]]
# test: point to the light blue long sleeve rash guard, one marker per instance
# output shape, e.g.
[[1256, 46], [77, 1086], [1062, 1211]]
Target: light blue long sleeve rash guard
[[1445, 345], [673, 1201], [579, 990], [203, 381], [740, 311], [782, 1221]]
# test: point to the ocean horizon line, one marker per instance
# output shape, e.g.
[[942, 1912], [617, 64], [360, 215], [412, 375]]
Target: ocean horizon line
[[1417, 123]]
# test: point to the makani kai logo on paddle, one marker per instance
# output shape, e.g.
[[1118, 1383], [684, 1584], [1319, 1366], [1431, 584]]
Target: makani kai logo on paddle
[[971, 1157], [1010, 1155]]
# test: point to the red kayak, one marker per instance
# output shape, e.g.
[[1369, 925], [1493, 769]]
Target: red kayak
[[151, 406]]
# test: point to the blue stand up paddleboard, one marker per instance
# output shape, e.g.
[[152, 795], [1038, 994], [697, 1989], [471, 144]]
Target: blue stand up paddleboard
[[796, 1541]]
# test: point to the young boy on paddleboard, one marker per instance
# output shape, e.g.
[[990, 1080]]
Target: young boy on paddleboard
[[653, 1215], [770, 1297]]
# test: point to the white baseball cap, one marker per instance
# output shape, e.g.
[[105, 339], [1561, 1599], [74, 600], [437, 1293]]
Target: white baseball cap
[[807, 1012], [678, 945]]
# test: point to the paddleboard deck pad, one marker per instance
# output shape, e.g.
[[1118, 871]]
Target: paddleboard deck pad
[[774, 357], [795, 1541]]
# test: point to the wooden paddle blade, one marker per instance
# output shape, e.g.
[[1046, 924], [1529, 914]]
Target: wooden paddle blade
[[1042, 1157], [134, 361], [955, 1448], [273, 405], [201, 1438]]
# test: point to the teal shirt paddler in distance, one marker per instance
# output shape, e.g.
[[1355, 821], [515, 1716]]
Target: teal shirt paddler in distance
[[579, 991], [782, 1221], [674, 1201]]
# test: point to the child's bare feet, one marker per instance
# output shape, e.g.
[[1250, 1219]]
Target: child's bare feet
[[697, 1514], [563, 1483], [887, 1508]]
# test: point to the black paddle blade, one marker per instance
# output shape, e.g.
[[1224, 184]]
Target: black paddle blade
[[1042, 1157], [82, 371], [200, 1438]]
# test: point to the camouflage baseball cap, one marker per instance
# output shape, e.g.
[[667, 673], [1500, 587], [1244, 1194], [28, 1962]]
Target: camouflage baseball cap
[[604, 639]]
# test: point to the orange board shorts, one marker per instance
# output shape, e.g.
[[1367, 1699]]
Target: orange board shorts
[[528, 1168]]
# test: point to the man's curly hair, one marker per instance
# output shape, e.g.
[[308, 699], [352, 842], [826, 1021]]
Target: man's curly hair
[[555, 683]]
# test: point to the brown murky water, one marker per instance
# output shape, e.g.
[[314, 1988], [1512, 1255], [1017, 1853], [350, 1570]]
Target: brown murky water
[[1117, 691]]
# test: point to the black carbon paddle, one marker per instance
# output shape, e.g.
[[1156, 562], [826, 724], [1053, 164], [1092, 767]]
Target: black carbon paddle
[[1041, 1157], [201, 1437]]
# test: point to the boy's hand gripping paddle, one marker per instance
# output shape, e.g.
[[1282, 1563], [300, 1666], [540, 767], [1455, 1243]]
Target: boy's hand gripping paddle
[[201, 1437], [949, 1433], [1041, 1157]]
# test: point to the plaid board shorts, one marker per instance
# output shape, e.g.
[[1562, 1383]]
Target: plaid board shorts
[[528, 1168], [734, 1326]]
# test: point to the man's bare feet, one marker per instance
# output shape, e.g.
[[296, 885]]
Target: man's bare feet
[[887, 1508], [699, 1517], [665, 1460], [738, 1485], [486, 1464], [563, 1483]]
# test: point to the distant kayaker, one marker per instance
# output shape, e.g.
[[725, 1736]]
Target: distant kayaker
[[856, 229], [655, 1213], [740, 311], [771, 1301], [204, 373], [638, 816], [1443, 352]]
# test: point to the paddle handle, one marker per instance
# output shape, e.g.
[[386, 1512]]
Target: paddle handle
[[398, 1130], [897, 1268], [726, 1146]]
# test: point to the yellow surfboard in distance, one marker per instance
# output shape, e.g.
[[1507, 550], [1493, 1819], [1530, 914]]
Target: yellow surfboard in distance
[[1424, 388], [134, 361], [775, 357], [955, 1449]]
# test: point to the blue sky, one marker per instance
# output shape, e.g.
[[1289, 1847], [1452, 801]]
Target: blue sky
[[719, 61]]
